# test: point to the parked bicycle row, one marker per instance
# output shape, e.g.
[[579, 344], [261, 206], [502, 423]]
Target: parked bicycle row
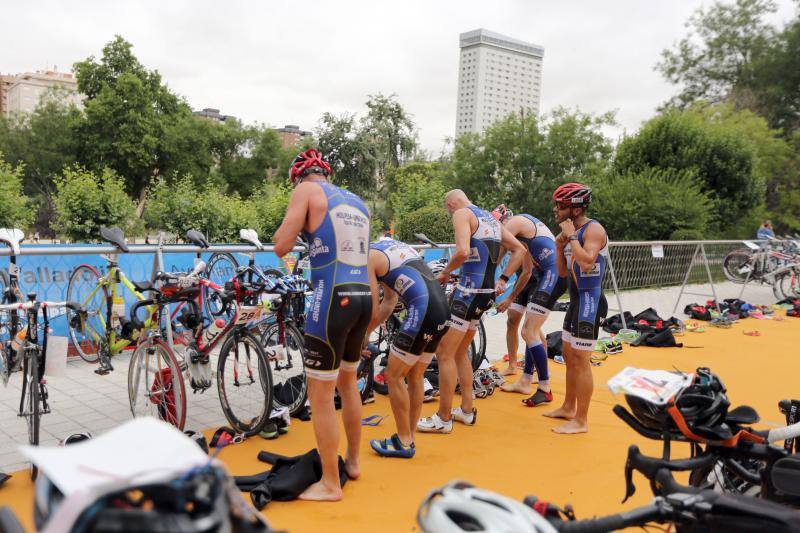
[[775, 263], [236, 327]]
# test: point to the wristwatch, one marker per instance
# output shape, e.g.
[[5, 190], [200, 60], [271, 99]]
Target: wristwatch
[[573, 237], [504, 277]]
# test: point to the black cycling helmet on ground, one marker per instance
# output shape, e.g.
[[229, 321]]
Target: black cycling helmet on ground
[[703, 404]]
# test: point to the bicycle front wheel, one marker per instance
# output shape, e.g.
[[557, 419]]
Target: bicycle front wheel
[[244, 382], [288, 370], [155, 384], [787, 285], [86, 289], [31, 404]]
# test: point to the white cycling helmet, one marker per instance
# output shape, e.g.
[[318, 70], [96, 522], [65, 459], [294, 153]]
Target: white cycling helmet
[[459, 506]]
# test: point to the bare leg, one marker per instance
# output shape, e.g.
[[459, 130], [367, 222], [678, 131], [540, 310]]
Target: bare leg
[[568, 408], [396, 372], [465, 373], [447, 371], [416, 393], [512, 340], [351, 416], [583, 386], [326, 431]]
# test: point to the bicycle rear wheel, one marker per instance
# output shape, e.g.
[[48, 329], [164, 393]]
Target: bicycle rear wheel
[[477, 349], [155, 383], [288, 373], [244, 382], [221, 268], [738, 264], [84, 288], [787, 285]]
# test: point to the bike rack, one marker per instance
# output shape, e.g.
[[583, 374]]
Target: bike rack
[[701, 249]]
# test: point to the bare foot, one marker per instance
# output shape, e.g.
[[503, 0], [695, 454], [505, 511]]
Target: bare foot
[[319, 492], [352, 469], [561, 412], [510, 370], [573, 426], [518, 386]]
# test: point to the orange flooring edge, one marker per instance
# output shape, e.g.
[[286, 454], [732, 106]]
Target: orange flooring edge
[[511, 449]]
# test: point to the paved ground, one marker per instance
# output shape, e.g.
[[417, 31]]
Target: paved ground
[[83, 401]]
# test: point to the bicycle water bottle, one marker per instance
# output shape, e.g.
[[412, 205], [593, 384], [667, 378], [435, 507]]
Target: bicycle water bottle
[[214, 329]]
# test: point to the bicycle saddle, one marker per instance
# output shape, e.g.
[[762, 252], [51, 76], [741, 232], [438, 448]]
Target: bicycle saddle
[[12, 237], [197, 238], [744, 415], [143, 286], [115, 237], [250, 235]]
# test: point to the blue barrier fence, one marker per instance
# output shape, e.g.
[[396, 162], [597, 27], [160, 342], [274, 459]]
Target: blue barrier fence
[[48, 275]]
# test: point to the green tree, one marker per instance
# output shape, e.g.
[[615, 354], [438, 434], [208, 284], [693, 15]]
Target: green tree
[[16, 212], [721, 160], [246, 165], [520, 160], [715, 62], [85, 201], [269, 203], [350, 152], [128, 110], [415, 186], [652, 204], [433, 221]]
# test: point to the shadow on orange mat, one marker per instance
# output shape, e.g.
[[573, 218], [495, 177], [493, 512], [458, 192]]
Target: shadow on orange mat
[[511, 449]]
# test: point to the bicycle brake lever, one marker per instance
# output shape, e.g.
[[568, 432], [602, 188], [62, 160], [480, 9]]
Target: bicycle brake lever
[[630, 488]]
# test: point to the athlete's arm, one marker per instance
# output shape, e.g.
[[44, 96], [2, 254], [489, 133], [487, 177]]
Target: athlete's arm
[[293, 221], [386, 308], [518, 253], [594, 238], [524, 277], [561, 258], [461, 229], [373, 289]]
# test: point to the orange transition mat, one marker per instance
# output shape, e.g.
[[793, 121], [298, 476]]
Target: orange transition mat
[[511, 449]]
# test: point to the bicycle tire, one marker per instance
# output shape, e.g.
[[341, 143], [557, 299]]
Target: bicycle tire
[[33, 413], [283, 380], [82, 282], [733, 262], [5, 330], [262, 400], [165, 397], [219, 272], [365, 377], [787, 285], [477, 347]]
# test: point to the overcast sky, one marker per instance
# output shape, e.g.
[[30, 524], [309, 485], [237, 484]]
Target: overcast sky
[[289, 62]]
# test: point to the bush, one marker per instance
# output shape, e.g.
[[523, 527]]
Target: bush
[[269, 206], [85, 201], [686, 141], [432, 221], [651, 205], [17, 210], [415, 186], [183, 205]]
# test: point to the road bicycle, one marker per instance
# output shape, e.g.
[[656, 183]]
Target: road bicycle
[[776, 263], [27, 350], [108, 331], [243, 377]]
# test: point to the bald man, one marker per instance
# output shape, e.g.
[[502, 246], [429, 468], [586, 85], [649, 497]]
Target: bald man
[[479, 241]]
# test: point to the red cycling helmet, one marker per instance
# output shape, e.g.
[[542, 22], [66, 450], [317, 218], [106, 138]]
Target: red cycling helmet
[[501, 213], [573, 195], [308, 162]]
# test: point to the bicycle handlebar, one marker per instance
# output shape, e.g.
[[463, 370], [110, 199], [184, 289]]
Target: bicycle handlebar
[[24, 306]]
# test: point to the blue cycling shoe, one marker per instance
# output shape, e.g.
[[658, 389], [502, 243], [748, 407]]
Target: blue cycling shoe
[[392, 447]]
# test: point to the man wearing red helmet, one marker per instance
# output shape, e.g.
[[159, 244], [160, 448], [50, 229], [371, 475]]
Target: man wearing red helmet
[[335, 223], [581, 253]]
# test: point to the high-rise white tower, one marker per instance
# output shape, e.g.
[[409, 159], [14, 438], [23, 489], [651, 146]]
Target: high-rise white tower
[[497, 75]]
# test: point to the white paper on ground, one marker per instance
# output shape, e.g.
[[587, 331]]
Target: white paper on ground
[[56, 363], [144, 449], [656, 386]]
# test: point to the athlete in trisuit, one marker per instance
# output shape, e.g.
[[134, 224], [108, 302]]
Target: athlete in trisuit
[[402, 273], [479, 238], [536, 299], [335, 222], [582, 251]]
